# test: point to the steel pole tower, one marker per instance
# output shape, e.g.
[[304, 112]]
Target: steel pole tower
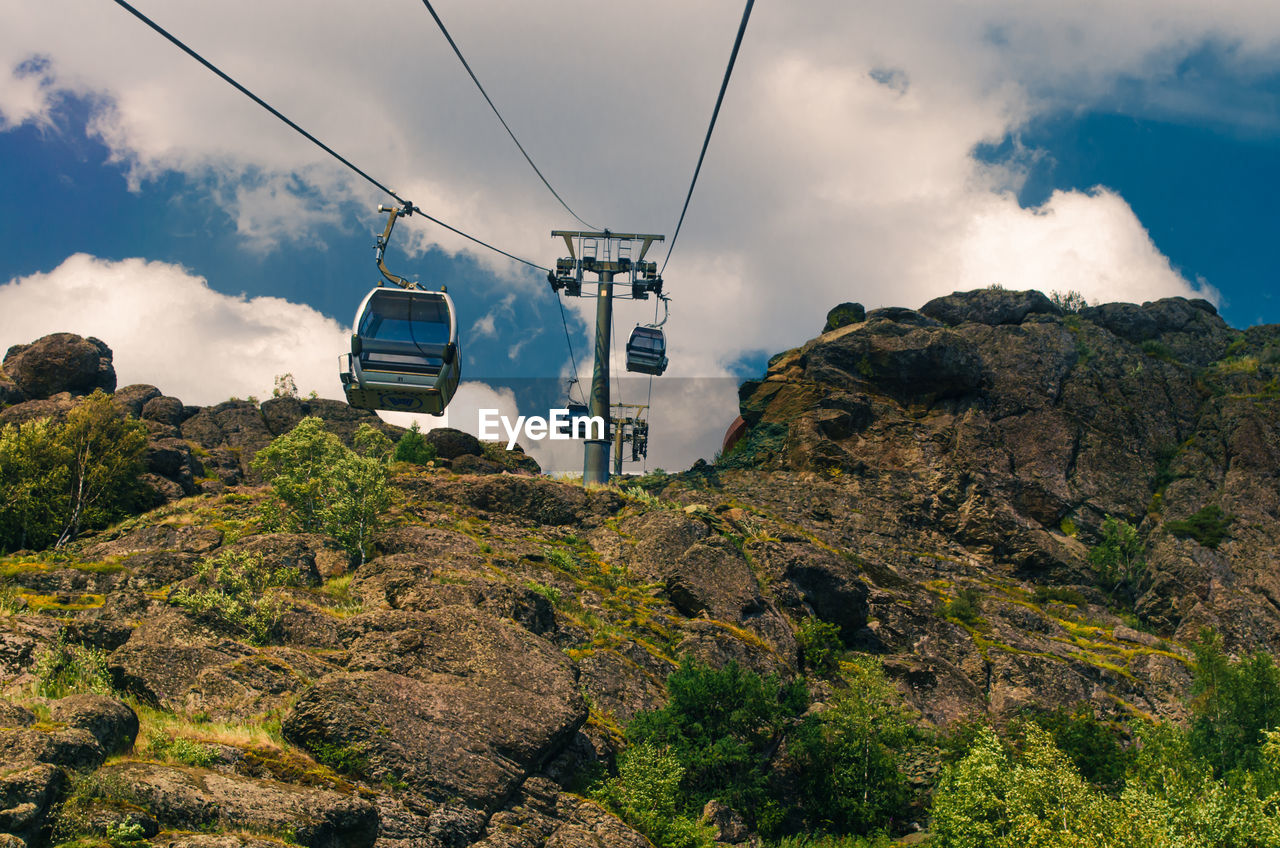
[[595, 462], [585, 257]]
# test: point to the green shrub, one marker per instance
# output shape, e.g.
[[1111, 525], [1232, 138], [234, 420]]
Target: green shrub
[[1208, 526], [59, 479], [1117, 559], [820, 646], [1157, 349], [646, 795], [413, 447], [63, 669], [721, 726], [179, 749], [1069, 301], [1233, 703], [551, 593], [125, 834], [847, 762], [321, 486], [1097, 749], [233, 591], [966, 606]]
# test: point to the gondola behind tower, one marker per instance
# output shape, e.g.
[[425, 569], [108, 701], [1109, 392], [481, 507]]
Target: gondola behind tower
[[404, 352], [647, 351]]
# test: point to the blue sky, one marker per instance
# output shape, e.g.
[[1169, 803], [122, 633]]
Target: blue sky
[[885, 155]]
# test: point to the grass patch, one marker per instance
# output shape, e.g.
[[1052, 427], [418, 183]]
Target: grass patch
[[1208, 526], [966, 606], [63, 669], [1059, 594], [234, 592]]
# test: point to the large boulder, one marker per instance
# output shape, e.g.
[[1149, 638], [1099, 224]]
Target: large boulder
[[110, 721], [61, 362], [449, 701], [451, 444], [989, 306], [27, 794], [183, 798]]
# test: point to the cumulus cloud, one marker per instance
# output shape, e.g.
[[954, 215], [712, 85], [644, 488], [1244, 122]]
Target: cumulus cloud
[[167, 327], [842, 168]]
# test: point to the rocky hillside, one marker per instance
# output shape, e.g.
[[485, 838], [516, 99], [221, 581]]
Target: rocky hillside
[[932, 483]]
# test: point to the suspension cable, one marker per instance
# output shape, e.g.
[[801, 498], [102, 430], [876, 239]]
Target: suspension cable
[[172, 39], [569, 341], [728, 71], [458, 52]]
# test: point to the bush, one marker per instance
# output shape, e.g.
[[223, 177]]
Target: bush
[[1117, 558], [847, 761], [966, 606], [1157, 349], [56, 480], [820, 646], [1234, 703], [234, 593], [1208, 526], [179, 749], [63, 669], [412, 447], [1069, 301], [646, 795], [1096, 748], [722, 726], [321, 486]]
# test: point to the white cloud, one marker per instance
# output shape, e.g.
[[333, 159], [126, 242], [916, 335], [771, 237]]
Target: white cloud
[[166, 327], [823, 182]]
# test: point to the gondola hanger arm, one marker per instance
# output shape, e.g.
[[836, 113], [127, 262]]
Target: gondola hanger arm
[[392, 214]]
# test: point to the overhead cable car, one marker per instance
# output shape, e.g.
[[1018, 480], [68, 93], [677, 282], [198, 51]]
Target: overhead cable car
[[647, 347], [404, 348]]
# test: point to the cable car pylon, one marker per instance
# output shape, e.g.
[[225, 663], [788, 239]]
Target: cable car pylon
[[606, 255]]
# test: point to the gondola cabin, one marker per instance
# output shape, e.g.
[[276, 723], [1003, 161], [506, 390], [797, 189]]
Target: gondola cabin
[[404, 352], [647, 351]]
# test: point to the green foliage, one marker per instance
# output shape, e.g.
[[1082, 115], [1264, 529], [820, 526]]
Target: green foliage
[[321, 486], [179, 749], [57, 479], [1117, 559], [551, 593], [562, 560], [233, 591], [1208, 526], [125, 834], [413, 447], [10, 599], [285, 386], [995, 799], [1069, 301], [1096, 748], [646, 794], [721, 726], [1235, 702], [63, 669], [344, 759], [820, 646], [847, 773], [966, 606], [1061, 594], [1157, 349]]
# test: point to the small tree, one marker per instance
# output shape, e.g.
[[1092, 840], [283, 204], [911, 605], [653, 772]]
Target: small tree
[[1069, 301], [104, 452], [34, 469], [321, 486], [285, 387], [1117, 559], [413, 447]]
